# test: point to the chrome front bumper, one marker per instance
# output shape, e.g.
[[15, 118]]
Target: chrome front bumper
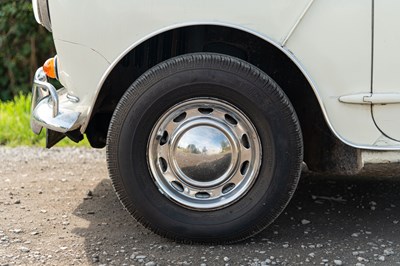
[[46, 111]]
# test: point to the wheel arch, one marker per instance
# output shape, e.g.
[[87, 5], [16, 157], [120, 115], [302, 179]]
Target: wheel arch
[[324, 148]]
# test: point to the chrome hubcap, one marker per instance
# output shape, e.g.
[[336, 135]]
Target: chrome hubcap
[[204, 154]]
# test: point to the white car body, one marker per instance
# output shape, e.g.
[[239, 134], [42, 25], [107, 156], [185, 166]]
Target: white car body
[[332, 66], [330, 41]]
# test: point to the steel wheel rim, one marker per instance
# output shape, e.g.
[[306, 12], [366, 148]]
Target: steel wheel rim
[[204, 154]]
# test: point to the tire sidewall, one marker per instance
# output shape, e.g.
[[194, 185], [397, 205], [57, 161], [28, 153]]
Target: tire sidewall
[[249, 90]]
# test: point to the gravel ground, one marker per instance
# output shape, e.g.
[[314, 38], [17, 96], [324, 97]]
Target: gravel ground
[[57, 207]]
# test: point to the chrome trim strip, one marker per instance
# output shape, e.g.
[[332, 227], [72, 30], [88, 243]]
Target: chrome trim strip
[[44, 14], [297, 22], [35, 8], [56, 66], [283, 49]]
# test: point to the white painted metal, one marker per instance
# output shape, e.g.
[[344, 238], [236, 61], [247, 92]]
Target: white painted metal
[[110, 28], [92, 37], [331, 43], [297, 22], [80, 69], [387, 64]]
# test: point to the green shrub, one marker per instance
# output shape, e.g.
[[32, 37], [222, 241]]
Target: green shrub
[[15, 125], [24, 46]]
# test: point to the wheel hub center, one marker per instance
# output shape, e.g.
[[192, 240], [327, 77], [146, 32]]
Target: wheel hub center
[[203, 153]]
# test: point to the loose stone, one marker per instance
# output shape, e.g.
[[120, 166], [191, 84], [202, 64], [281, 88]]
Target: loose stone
[[338, 262], [24, 249]]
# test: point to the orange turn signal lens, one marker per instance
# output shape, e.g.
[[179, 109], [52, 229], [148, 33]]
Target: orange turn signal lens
[[49, 68]]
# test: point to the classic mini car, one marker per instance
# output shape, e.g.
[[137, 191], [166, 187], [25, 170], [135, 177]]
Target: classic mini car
[[208, 109]]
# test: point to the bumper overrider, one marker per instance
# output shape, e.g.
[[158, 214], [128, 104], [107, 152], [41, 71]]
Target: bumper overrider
[[46, 110]]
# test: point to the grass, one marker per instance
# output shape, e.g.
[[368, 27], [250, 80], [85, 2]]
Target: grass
[[15, 125]]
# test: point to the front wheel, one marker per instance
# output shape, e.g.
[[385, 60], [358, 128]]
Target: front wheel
[[204, 148]]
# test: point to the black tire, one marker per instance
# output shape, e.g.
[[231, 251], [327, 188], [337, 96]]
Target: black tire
[[231, 83]]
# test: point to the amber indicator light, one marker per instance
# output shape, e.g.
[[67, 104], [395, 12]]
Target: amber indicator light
[[49, 68]]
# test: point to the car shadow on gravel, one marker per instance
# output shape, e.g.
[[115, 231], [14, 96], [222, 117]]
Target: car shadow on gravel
[[351, 219]]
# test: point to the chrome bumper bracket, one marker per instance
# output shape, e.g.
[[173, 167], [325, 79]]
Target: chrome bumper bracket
[[45, 109]]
